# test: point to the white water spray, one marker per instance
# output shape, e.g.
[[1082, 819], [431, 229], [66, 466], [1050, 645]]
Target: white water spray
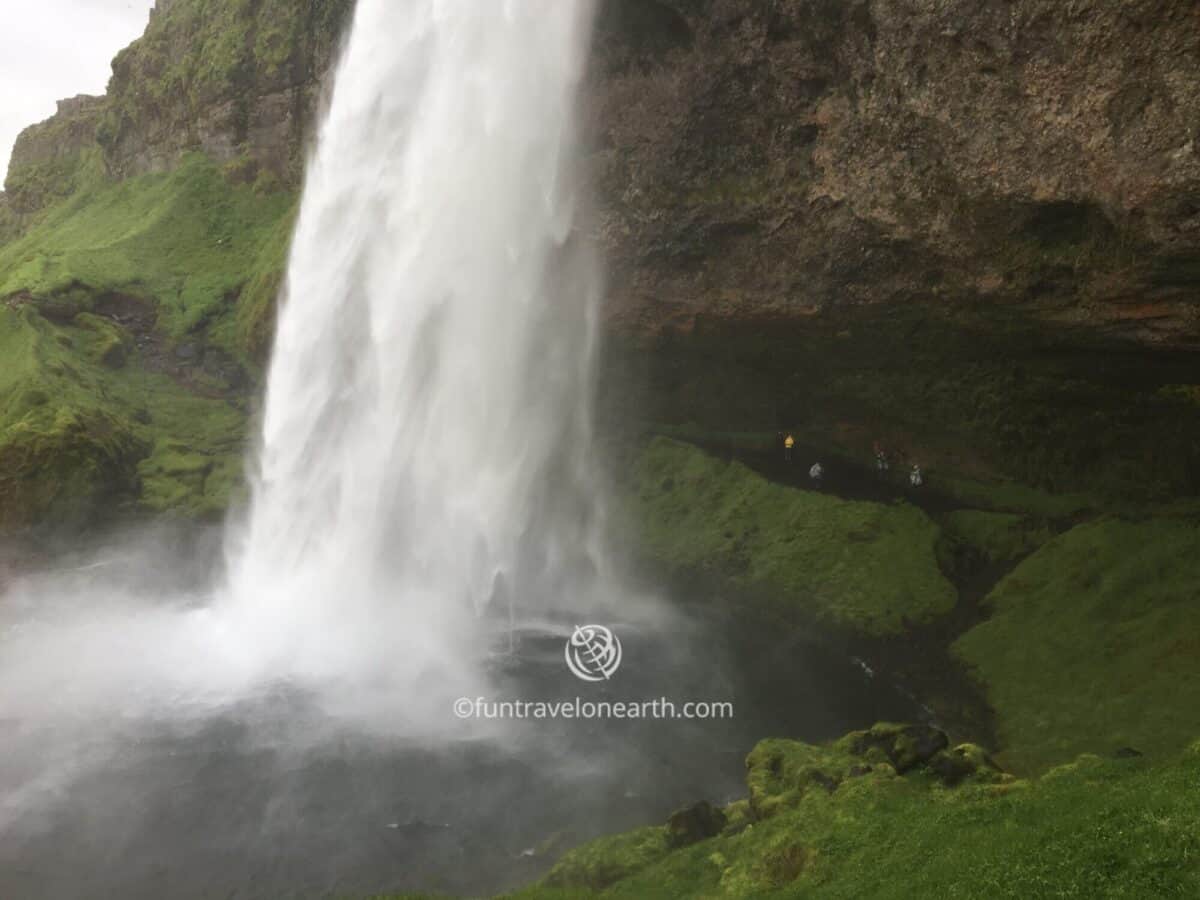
[[426, 435], [425, 472]]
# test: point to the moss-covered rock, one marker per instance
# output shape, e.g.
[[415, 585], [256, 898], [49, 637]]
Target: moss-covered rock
[[87, 430], [695, 823], [236, 79], [601, 863], [54, 159], [61, 465], [1095, 828]]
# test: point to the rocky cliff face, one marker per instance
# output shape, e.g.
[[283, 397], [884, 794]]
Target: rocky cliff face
[[239, 81], [50, 159], [768, 160], [775, 159]]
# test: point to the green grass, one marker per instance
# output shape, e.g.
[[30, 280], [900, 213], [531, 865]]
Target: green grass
[[84, 426], [1094, 642], [866, 566], [1093, 829], [996, 537], [82, 435], [188, 240]]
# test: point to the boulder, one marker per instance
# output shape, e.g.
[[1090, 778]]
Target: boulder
[[695, 823]]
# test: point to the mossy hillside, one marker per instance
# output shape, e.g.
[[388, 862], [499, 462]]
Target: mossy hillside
[[252, 328], [85, 431], [995, 537], [189, 241], [868, 567], [1094, 828], [1091, 643]]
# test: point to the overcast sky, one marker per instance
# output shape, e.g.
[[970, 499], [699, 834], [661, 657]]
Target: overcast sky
[[50, 49]]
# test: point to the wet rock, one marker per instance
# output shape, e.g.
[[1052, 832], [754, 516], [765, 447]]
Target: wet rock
[[817, 777], [963, 762], [695, 823], [114, 355]]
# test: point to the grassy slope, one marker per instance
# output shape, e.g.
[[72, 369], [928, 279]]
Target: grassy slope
[[867, 566], [84, 423], [187, 240], [998, 537], [1092, 643], [77, 435], [1092, 829], [1088, 645]]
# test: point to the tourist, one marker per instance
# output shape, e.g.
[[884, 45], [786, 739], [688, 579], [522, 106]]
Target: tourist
[[816, 473], [881, 459], [788, 443], [914, 477]]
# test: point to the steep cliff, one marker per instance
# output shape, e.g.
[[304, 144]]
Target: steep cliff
[[774, 160], [238, 80], [764, 160], [970, 229]]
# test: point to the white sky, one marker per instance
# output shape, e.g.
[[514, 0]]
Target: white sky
[[51, 49]]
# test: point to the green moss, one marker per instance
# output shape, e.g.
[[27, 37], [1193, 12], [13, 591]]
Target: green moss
[[188, 240], [80, 437], [253, 326], [866, 566], [1092, 643], [55, 158], [203, 54], [112, 343], [607, 860], [1098, 828], [178, 480], [996, 537], [60, 464], [1006, 495]]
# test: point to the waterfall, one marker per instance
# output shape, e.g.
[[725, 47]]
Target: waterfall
[[423, 477], [426, 434]]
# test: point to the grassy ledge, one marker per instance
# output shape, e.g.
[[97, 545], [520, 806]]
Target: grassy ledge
[[1087, 639], [869, 567], [133, 317]]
